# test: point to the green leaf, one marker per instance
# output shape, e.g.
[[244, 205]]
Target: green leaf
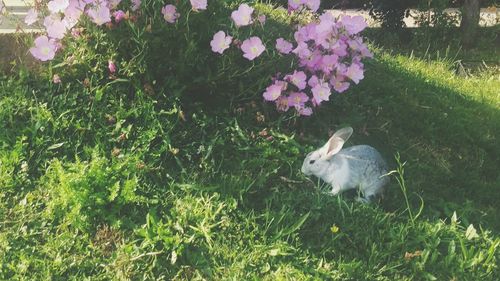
[[64, 63], [115, 189], [429, 276], [454, 218], [471, 233], [55, 146], [98, 94], [119, 80], [296, 225]]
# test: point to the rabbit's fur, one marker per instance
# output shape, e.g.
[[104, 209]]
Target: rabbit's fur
[[359, 166]]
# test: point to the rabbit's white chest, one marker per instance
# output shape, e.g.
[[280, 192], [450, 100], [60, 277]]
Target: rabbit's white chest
[[339, 176]]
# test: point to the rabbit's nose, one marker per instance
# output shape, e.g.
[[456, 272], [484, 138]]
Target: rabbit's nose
[[303, 170]]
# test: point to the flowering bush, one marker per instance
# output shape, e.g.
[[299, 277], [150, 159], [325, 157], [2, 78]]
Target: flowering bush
[[160, 49], [329, 53], [200, 48]]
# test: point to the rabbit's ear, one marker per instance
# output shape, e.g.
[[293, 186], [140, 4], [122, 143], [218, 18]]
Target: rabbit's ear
[[336, 142], [344, 133]]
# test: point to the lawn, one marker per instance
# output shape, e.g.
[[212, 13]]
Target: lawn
[[130, 187]]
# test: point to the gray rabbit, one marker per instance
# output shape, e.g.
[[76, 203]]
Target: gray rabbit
[[359, 166]]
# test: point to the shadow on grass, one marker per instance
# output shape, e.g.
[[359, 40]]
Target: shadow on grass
[[450, 143], [449, 140]]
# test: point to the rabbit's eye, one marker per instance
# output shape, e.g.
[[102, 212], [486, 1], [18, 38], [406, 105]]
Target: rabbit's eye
[[312, 161]]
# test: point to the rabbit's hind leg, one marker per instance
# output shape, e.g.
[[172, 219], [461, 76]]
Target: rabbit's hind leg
[[363, 194], [371, 192], [363, 200]]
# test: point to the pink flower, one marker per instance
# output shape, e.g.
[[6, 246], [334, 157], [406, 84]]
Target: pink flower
[[312, 61], [56, 6], [119, 15], [199, 4], [321, 92], [297, 99], [358, 46], [252, 48], [73, 12], [99, 14], [31, 17], [220, 42], [111, 67], [313, 5], [315, 102], [298, 78], [136, 4], [283, 46], [44, 49], [355, 73], [56, 28], [294, 4], [328, 63], [302, 50], [339, 84], [242, 16], [303, 33], [305, 111], [75, 32], [363, 49], [329, 51], [354, 24], [341, 69], [282, 103], [327, 17], [262, 19], [313, 81], [340, 49], [170, 13], [324, 32], [273, 92], [56, 79]]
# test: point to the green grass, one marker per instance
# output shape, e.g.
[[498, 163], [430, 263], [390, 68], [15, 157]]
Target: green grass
[[126, 188]]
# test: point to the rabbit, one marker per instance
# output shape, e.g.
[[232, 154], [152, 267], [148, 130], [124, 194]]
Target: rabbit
[[359, 166]]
